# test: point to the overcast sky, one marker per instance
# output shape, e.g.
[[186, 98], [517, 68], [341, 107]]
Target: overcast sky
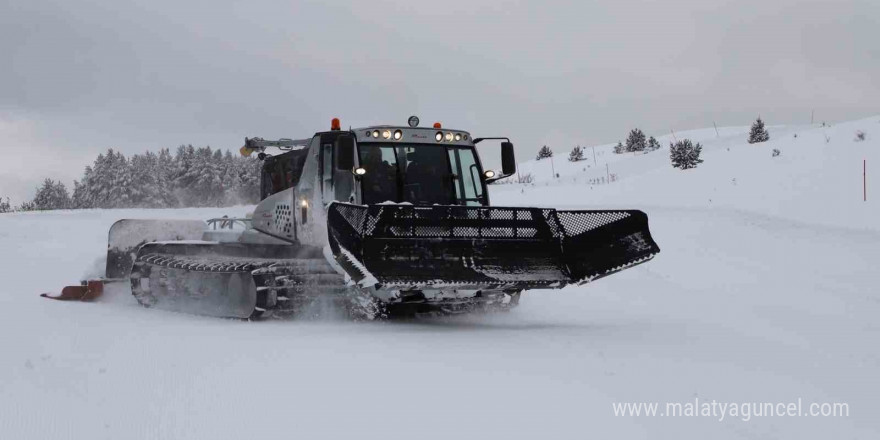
[[78, 77]]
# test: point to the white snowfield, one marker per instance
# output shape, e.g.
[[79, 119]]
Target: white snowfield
[[766, 290]]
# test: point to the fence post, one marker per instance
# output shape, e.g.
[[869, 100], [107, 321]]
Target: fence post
[[864, 180]]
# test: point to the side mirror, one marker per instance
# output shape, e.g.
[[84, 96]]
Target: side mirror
[[508, 160], [344, 153]]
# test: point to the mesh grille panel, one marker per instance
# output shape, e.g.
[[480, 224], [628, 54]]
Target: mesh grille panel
[[455, 222], [403, 221], [576, 223], [354, 215]]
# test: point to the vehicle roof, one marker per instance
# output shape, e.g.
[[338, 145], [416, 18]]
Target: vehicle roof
[[425, 135]]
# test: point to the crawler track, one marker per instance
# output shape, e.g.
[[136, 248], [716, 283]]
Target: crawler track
[[186, 278]]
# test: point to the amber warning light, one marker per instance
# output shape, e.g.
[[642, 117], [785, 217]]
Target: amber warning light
[[334, 124]]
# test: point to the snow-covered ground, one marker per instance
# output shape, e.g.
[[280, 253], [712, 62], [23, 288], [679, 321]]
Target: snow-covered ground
[[765, 291]]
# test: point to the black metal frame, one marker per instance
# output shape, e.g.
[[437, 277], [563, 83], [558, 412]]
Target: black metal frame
[[410, 246]]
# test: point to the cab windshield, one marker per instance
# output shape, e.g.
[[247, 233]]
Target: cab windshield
[[420, 174]]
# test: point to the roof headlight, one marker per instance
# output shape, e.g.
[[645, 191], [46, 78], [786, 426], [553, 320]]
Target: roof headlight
[[376, 134], [448, 137], [438, 136], [386, 134], [457, 137], [398, 135]]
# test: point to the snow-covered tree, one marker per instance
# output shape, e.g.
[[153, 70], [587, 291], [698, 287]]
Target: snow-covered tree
[[79, 197], [619, 149], [201, 185], [83, 190], [653, 145], [121, 181], [51, 195], [544, 153], [145, 187], [636, 141], [192, 177], [183, 161], [98, 183], [758, 133], [249, 171], [26, 206], [685, 154], [234, 178], [164, 180], [577, 154], [5, 206]]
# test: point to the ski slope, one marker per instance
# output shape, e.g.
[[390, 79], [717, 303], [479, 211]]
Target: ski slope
[[765, 291]]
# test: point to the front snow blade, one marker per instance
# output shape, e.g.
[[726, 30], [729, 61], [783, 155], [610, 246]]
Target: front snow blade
[[425, 247]]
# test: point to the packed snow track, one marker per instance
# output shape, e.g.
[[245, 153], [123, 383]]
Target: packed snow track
[[769, 310]]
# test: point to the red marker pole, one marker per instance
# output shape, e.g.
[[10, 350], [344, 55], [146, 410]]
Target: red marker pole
[[864, 180]]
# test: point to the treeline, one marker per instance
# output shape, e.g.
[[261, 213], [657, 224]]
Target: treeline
[[192, 177]]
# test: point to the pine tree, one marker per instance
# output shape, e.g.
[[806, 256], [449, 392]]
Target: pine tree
[[193, 177], [51, 195], [164, 181], [203, 180], [77, 200], [249, 171], [145, 190], [635, 141], [5, 206], [544, 152], [653, 145], [758, 133], [230, 179], [618, 149], [183, 161], [577, 154], [98, 184], [685, 154], [82, 191], [121, 187]]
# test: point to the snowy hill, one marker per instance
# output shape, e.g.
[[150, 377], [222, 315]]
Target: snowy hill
[[764, 291], [816, 179]]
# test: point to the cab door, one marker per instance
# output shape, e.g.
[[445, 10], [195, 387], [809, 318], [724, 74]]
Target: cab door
[[337, 161], [467, 177], [326, 174]]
